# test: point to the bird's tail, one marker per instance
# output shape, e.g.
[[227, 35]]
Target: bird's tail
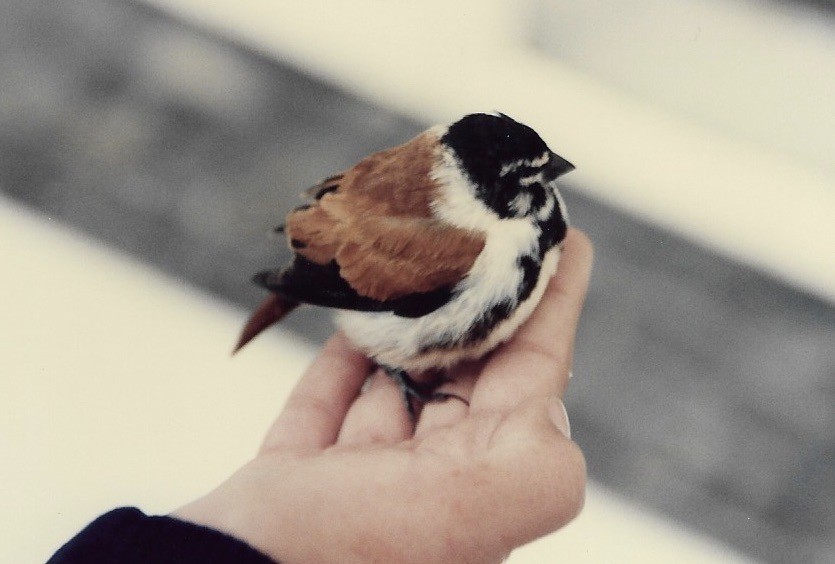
[[271, 310]]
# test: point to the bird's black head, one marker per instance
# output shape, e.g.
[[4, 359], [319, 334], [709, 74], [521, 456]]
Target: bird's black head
[[501, 156]]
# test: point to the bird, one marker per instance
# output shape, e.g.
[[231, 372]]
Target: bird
[[431, 252]]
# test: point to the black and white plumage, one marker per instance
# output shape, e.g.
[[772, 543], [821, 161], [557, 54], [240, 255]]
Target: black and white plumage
[[432, 252]]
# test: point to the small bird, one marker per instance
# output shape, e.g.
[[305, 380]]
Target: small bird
[[432, 252]]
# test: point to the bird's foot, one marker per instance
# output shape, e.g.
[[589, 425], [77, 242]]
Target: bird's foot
[[423, 392]]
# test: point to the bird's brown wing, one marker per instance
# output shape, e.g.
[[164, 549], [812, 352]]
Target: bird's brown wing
[[375, 222], [389, 258], [368, 242]]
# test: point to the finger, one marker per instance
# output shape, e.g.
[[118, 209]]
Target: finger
[[537, 360], [533, 441], [377, 416], [314, 413]]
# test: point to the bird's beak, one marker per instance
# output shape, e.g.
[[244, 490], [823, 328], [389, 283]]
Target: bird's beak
[[270, 311], [559, 165]]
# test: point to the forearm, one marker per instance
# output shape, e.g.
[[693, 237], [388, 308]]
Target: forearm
[[126, 535]]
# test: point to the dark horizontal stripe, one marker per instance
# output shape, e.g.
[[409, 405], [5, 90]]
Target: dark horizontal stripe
[[316, 284]]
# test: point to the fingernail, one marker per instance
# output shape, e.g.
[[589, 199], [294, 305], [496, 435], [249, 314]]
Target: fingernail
[[559, 416]]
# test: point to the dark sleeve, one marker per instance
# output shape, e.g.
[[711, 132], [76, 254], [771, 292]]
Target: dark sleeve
[[128, 536]]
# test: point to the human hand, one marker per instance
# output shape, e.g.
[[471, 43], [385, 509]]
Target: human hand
[[344, 475]]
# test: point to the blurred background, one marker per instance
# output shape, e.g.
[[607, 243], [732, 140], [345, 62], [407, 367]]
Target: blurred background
[[173, 134]]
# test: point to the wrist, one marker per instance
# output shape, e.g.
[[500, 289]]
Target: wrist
[[231, 509]]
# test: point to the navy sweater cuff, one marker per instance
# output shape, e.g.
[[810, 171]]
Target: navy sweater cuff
[[128, 536]]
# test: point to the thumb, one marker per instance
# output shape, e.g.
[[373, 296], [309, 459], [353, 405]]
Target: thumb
[[546, 470]]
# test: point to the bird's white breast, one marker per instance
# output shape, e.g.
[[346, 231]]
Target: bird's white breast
[[408, 343]]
